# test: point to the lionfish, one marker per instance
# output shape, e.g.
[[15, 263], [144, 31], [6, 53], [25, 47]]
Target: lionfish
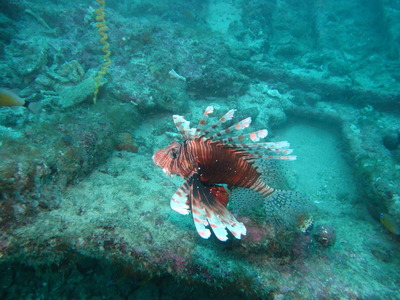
[[206, 162]]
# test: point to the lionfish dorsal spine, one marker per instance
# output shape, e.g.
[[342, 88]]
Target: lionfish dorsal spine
[[203, 121], [274, 150], [255, 136], [227, 117], [238, 126], [279, 157], [266, 150], [266, 145], [183, 127]]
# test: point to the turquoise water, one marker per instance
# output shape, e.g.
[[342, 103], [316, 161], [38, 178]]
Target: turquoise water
[[87, 95]]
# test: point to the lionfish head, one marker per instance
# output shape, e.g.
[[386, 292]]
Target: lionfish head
[[166, 158]]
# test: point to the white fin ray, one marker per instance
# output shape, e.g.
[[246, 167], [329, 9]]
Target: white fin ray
[[278, 157], [236, 228], [179, 201], [217, 226], [275, 152], [200, 219], [203, 121], [183, 127], [266, 145], [238, 126], [227, 117], [255, 136], [223, 221], [227, 221], [268, 150], [207, 211]]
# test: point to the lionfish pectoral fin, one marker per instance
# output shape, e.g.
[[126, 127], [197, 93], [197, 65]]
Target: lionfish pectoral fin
[[180, 201], [198, 209], [210, 210], [220, 194]]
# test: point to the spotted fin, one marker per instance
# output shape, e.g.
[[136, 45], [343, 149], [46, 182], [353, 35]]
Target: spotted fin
[[255, 136], [183, 127], [228, 116], [208, 211], [200, 217], [267, 150], [238, 126], [179, 201], [203, 121]]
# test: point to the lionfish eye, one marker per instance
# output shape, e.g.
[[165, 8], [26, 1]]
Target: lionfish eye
[[173, 153]]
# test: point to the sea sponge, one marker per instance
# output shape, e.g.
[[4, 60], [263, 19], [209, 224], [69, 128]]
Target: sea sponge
[[101, 25], [8, 98]]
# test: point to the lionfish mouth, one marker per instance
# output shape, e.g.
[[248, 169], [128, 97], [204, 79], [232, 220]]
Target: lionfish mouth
[[165, 170]]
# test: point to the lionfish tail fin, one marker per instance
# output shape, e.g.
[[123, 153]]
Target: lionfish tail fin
[[208, 210], [283, 208]]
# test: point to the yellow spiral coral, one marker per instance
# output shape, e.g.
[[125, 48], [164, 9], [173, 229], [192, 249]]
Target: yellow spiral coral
[[101, 25]]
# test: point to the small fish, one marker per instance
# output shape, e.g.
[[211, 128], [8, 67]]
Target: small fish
[[9, 98], [206, 162], [390, 223]]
